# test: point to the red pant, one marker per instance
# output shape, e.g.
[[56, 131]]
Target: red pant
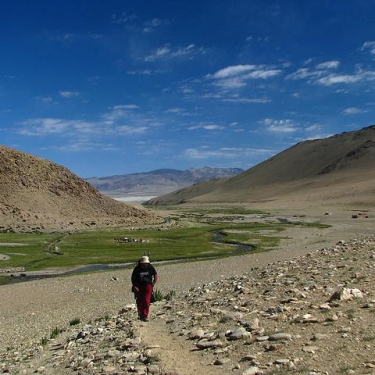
[[143, 298]]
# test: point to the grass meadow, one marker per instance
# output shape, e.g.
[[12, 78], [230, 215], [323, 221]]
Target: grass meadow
[[189, 235]]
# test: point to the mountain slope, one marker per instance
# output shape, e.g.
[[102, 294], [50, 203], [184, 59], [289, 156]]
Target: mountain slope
[[338, 167], [157, 182], [39, 195]]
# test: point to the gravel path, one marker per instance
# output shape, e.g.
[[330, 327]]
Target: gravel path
[[29, 311]]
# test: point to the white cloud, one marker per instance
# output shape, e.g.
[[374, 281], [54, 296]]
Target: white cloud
[[45, 99], [110, 125], [246, 100], [304, 73], [127, 130], [369, 46], [322, 73], [206, 127], [213, 127], [280, 126], [125, 106], [237, 76], [69, 94], [232, 71], [262, 73], [124, 19], [45, 126], [329, 65], [353, 111], [225, 152], [175, 110], [119, 112], [313, 128], [245, 72], [154, 24], [145, 72], [231, 83], [167, 52], [334, 79]]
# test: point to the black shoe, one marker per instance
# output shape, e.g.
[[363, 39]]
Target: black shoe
[[144, 320]]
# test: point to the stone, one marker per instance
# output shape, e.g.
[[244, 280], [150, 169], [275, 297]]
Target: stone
[[280, 336], [253, 370], [208, 344]]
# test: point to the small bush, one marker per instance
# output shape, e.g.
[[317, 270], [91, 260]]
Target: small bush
[[157, 295], [75, 322], [170, 295], [56, 331]]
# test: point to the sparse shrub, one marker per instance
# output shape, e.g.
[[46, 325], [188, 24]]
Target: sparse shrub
[[75, 322], [224, 319], [350, 314], [55, 332], [157, 295], [170, 295], [101, 318], [152, 359]]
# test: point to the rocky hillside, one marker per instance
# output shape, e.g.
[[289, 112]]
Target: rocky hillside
[[338, 167], [36, 194], [311, 315], [158, 182]]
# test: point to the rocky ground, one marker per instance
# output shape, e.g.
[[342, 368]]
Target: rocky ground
[[306, 311]]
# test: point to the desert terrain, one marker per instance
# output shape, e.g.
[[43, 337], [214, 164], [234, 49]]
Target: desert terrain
[[285, 291], [306, 306]]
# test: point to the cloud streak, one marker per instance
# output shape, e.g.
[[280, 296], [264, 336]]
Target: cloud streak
[[169, 52], [239, 76]]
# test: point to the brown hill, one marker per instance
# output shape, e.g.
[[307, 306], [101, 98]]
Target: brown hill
[[338, 169], [36, 194]]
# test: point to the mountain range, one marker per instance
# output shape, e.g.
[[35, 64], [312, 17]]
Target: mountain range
[[337, 169], [157, 182], [39, 195]]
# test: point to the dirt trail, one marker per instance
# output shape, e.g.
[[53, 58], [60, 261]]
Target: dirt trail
[[176, 356]]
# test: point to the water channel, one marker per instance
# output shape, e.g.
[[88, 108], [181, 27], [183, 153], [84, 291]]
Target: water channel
[[217, 238]]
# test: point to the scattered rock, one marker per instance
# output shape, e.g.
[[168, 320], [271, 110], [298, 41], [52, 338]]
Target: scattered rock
[[270, 320]]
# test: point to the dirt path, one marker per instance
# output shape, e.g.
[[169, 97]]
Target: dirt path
[[176, 356]]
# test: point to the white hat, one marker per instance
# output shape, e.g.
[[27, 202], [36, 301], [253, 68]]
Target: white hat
[[144, 259]]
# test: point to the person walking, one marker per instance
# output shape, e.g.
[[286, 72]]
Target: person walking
[[144, 277]]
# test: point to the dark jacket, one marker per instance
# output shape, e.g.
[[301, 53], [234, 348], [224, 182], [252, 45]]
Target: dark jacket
[[142, 276]]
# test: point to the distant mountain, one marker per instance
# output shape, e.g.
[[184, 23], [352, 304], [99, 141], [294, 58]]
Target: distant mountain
[[37, 195], [157, 182], [340, 168]]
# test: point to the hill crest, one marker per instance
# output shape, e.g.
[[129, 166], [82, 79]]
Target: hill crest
[[339, 167], [40, 195]]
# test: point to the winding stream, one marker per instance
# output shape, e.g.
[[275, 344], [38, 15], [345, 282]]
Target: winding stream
[[217, 238]]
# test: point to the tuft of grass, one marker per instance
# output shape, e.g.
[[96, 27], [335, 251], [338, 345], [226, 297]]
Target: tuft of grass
[[350, 313], [104, 318], [170, 295], [55, 332], [152, 359], [157, 295], [75, 322]]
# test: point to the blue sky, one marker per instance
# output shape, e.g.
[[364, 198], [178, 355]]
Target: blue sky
[[117, 87]]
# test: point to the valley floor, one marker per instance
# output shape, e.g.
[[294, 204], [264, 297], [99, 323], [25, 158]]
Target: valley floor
[[30, 311]]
